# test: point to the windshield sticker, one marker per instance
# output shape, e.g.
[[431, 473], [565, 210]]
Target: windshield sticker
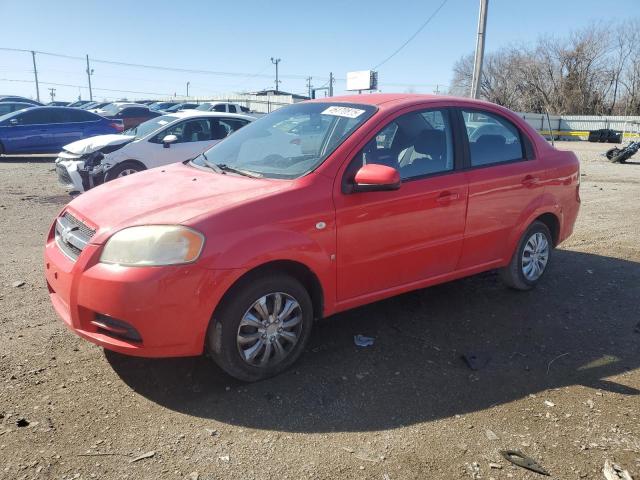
[[346, 112]]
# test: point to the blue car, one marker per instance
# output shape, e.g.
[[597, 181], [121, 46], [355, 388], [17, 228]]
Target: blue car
[[48, 129]]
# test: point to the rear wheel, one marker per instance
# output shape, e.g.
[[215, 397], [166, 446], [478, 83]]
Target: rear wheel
[[261, 328], [123, 169], [530, 260]]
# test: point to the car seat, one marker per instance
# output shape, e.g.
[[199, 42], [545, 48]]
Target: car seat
[[431, 146]]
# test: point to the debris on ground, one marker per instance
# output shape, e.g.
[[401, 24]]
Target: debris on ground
[[18, 283], [549, 403], [521, 460], [22, 422], [495, 466], [212, 432], [611, 471], [224, 458], [143, 456], [490, 435], [362, 341], [476, 360], [193, 476]]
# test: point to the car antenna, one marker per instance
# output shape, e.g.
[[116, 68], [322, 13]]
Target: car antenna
[[553, 143]]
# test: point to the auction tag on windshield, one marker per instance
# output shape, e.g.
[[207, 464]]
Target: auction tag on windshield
[[346, 112]]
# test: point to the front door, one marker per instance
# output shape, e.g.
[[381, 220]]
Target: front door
[[393, 238]]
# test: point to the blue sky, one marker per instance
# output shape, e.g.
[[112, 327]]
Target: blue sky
[[311, 38]]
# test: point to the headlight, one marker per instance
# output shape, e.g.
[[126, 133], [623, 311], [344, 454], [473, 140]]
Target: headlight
[[153, 245]]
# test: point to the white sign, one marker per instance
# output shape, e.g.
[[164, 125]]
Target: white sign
[[347, 112], [362, 80]]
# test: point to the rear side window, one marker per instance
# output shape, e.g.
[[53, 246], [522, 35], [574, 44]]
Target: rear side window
[[79, 116], [233, 124], [220, 108], [232, 109], [492, 138]]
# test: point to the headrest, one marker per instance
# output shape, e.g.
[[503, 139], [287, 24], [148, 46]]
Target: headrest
[[431, 142]]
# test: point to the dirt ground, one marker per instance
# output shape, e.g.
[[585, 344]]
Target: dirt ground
[[562, 381]]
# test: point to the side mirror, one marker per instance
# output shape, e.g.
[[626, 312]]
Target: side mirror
[[168, 140], [375, 178]]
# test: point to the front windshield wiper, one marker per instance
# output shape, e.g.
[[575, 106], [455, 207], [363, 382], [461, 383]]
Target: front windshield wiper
[[247, 173], [209, 164]]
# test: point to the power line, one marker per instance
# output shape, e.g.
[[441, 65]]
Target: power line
[[84, 87], [157, 67], [412, 36]]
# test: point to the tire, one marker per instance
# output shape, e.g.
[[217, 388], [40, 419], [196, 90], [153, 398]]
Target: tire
[[123, 169], [612, 153], [620, 158], [515, 274], [233, 336]]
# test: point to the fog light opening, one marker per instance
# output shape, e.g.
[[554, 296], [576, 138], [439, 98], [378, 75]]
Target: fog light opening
[[116, 328]]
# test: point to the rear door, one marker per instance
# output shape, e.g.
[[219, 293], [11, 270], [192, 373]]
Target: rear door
[[392, 239], [504, 178]]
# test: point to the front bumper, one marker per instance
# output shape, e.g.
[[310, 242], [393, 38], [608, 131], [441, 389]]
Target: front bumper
[[170, 307], [75, 177]]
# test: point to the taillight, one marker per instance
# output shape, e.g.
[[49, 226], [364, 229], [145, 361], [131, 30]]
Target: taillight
[[118, 127]]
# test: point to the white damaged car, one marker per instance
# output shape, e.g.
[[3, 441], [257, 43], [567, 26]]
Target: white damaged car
[[162, 140]]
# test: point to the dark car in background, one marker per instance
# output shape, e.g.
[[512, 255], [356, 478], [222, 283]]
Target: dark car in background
[[16, 98], [161, 106], [605, 135], [131, 115], [181, 106], [48, 129], [8, 107], [79, 103], [58, 104]]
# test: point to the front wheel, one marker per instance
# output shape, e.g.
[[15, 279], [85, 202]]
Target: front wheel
[[261, 328], [531, 258], [122, 170]]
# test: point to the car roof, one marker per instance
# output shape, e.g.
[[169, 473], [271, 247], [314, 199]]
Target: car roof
[[201, 113]]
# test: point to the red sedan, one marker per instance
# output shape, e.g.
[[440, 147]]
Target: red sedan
[[316, 208]]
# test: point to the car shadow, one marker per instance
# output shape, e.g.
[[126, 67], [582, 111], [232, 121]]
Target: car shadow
[[576, 328]]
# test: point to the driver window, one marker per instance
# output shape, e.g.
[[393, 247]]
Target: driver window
[[416, 144], [189, 131]]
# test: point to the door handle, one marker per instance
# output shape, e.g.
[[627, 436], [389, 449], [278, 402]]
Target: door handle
[[530, 181], [447, 197]]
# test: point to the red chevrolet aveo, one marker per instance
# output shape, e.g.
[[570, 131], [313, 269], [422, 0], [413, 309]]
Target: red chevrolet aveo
[[316, 208]]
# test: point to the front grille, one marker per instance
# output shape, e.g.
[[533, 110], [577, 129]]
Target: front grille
[[63, 176], [72, 235]]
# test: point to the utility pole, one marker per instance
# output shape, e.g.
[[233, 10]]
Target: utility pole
[[52, 92], [331, 84], [89, 73], [188, 89], [276, 61], [309, 86], [477, 64], [35, 72]]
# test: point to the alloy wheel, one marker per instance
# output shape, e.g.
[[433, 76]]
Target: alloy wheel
[[269, 329]]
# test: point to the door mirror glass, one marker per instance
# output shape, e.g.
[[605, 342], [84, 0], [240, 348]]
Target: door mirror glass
[[374, 177], [168, 140]]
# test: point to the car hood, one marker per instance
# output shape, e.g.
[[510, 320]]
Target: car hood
[[168, 195], [93, 144]]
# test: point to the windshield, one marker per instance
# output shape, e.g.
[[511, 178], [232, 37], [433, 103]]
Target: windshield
[[289, 142], [7, 116], [110, 109], [204, 106], [150, 126]]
